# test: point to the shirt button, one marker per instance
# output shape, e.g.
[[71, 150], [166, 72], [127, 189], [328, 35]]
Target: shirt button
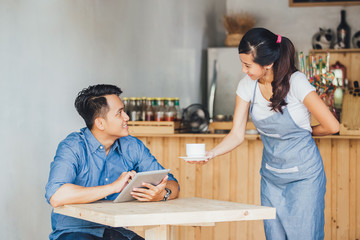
[[106, 179], [101, 147]]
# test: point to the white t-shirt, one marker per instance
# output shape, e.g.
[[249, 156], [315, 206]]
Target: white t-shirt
[[299, 88]]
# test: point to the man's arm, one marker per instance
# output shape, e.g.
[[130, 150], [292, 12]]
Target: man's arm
[[174, 187], [71, 193]]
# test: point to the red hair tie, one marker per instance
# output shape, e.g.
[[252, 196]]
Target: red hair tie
[[278, 39]]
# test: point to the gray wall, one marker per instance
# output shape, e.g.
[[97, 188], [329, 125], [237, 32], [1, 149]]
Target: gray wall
[[49, 50], [297, 23]]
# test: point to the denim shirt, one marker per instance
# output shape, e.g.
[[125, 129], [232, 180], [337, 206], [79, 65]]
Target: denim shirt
[[81, 160]]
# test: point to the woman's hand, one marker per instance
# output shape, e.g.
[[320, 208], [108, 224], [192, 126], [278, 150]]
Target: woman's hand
[[236, 135], [209, 155]]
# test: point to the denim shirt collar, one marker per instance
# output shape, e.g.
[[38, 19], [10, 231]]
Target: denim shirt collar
[[94, 144], [117, 146]]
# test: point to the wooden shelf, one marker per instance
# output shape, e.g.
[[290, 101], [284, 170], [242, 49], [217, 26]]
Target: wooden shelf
[[152, 127], [322, 3], [347, 50]]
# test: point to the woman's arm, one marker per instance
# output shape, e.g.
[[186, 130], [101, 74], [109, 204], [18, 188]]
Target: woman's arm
[[237, 133], [328, 123]]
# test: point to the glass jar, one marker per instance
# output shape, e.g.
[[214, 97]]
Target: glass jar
[[160, 110], [149, 113], [170, 114], [143, 108], [132, 109], [125, 101], [178, 109], [138, 109]]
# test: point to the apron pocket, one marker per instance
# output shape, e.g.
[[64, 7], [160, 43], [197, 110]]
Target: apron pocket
[[282, 170], [274, 135]]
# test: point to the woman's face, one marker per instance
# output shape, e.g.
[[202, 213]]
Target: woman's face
[[254, 70]]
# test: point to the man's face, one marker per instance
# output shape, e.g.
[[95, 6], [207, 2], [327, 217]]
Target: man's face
[[115, 123]]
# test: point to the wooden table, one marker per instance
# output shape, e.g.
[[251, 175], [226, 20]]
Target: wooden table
[[162, 215]]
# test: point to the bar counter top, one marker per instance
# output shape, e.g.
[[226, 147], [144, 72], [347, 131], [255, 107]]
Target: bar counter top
[[247, 136]]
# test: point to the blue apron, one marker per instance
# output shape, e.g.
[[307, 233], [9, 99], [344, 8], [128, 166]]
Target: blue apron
[[292, 178]]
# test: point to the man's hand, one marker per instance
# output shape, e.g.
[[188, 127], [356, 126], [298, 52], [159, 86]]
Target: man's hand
[[150, 193], [122, 181]]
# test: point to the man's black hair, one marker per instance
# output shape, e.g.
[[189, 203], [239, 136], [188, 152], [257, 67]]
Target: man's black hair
[[91, 103]]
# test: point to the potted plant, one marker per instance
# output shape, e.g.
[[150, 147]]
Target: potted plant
[[236, 25]]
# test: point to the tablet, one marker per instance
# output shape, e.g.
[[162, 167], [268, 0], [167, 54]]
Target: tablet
[[153, 177]]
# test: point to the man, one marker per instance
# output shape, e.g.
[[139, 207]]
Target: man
[[97, 163]]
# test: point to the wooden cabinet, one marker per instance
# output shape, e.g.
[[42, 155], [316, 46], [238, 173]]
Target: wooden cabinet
[[235, 177]]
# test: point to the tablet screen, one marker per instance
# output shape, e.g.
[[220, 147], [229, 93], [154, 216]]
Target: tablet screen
[[153, 177]]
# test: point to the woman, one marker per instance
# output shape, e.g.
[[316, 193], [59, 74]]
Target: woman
[[280, 99]]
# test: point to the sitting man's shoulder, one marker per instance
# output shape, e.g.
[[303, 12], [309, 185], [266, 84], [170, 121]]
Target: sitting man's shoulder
[[130, 141], [74, 140]]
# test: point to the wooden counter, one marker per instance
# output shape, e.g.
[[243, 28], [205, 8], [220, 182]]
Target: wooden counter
[[235, 177]]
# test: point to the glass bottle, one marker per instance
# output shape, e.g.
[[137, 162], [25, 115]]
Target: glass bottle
[[138, 109], [132, 109], [143, 108], [343, 32], [339, 71], [125, 101], [166, 106], [149, 116], [170, 114], [160, 110], [178, 110], [338, 100], [155, 106]]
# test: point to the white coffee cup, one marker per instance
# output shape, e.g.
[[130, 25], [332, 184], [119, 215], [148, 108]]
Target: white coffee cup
[[195, 149]]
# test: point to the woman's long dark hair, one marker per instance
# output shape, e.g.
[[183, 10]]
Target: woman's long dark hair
[[265, 48]]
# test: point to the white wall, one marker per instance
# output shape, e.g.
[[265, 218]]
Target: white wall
[[50, 50], [299, 24]]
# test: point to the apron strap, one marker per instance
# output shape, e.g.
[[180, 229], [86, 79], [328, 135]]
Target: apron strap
[[253, 100]]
